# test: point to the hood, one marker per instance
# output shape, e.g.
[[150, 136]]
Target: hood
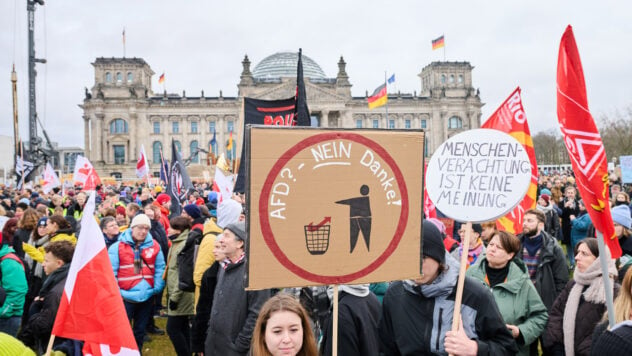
[[358, 290], [228, 212], [5, 249], [182, 237], [67, 232], [126, 237], [211, 227], [544, 209]]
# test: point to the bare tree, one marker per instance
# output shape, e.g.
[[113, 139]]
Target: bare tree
[[549, 148], [616, 133]]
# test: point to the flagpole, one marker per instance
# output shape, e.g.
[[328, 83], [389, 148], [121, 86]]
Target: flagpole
[[605, 276], [443, 35], [49, 348], [162, 165], [124, 44], [386, 105], [22, 157]]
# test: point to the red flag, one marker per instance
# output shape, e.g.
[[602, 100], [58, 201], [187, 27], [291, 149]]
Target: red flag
[[583, 141], [510, 118], [86, 174], [91, 307], [142, 169], [430, 211]]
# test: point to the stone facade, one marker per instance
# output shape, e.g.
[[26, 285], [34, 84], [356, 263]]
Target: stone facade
[[122, 112]]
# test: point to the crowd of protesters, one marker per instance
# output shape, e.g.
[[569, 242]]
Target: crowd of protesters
[[540, 292]]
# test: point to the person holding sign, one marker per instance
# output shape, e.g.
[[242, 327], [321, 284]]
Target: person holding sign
[[518, 301], [417, 314]]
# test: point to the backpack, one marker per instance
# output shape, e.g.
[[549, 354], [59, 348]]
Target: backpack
[[186, 259], [11, 256]]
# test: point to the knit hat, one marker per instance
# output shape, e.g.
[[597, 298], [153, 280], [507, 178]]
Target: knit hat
[[439, 224], [546, 198], [545, 191], [621, 215], [120, 210], [193, 211], [141, 219], [163, 198], [432, 243], [239, 229], [42, 221]]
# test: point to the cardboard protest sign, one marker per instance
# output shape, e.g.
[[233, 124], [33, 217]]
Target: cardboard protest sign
[[478, 175], [626, 169], [330, 206]]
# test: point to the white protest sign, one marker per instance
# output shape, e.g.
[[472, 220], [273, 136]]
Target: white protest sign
[[478, 175]]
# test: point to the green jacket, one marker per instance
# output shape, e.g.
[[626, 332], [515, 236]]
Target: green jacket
[[14, 284], [518, 301], [183, 299]]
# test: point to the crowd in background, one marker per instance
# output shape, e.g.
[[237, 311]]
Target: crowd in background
[[538, 292]]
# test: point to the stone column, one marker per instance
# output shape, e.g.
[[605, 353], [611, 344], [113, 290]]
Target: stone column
[[324, 118], [86, 138], [100, 138], [133, 139], [166, 142]]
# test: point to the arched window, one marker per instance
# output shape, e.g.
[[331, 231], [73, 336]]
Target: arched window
[[130, 77], [108, 77], [178, 147], [460, 78], [314, 121], [455, 122], [451, 78], [155, 151], [195, 157], [119, 77], [442, 78], [118, 126]]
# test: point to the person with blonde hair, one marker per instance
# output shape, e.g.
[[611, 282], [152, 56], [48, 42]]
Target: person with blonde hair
[[283, 328], [618, 339]]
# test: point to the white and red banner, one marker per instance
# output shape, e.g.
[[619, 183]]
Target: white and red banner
[[510, 118], [50, 179], [142, 167], [223, 185], [430, 211], [85, 174], [583, 141], [91, 307]]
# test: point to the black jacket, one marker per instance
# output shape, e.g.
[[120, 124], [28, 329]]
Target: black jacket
[[566, 219], [158, 233], [415, 324], [552, 273], [357, 326], [203, 309]]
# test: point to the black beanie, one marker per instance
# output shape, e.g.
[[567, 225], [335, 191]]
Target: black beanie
[[432, 243]]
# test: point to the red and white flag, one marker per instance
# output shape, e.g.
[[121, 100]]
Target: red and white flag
[[91, 307], [583, 141], [430, 210], [50, 179], [223, 185], [142, 168], [85, 174]]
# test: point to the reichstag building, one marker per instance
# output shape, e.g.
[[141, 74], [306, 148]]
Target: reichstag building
[[122, 111]]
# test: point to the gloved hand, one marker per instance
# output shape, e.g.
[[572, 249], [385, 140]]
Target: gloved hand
[[173, 305]]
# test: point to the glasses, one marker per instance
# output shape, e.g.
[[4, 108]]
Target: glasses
[[139, 227]]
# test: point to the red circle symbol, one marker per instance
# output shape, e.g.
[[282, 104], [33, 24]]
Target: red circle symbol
[[268, 234]]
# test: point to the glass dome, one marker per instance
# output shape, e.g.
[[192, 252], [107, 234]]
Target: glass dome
[[283, 65]]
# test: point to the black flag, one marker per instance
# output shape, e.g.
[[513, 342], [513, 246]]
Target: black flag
[[301, 111], [23, 167], [180, 184]]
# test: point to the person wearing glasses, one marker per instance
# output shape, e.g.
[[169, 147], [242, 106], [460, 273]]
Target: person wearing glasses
[[138, 266]]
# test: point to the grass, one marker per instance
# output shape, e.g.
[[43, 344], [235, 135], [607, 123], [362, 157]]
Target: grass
[[160, 345]]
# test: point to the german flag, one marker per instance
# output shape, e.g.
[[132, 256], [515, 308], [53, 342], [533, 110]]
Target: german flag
[[161, 80], [379, 97], [438, 43]]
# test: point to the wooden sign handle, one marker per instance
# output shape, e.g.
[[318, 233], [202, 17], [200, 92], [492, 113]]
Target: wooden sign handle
[[459, 287], [334, 341]]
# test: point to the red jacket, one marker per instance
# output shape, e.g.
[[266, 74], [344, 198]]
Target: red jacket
[[127, 279]]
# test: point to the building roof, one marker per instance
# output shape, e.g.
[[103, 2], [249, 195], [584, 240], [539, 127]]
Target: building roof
[[283, 65]]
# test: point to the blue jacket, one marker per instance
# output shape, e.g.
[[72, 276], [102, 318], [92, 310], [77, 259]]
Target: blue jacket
[[142, 291], [579, 228]]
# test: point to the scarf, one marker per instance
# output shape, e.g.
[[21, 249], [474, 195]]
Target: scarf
[[36, 267], [473, 252], [533, 244], [595, 293], [496, 276], [54, 278]]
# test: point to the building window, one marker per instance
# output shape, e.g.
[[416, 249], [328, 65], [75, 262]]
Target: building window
[[213, 145], [425, 148], [195, 156], [407, 124], [156, 127], [118, 126], [119, 154], [455, 122], [442, 78], [451, 78], [119, 77], [130, 77], [194, 127], [108, 77], [211, 126], [391, 124], [423, 124], [230, 126], [178, 146], [460, 78], [314, 121], [376, 124], [359, 123], [156, 147], [175, 127]]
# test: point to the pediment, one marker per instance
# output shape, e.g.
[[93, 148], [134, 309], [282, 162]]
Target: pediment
[[315, 93]]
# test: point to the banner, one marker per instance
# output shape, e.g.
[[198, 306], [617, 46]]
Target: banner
[[583, 141], [180, 184], [142, 168], [23, 170], [85, 174], [510, 118], [50, 179]]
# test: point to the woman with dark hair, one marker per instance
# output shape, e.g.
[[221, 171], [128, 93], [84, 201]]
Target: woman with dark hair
[[26, 225], [581, 304], [518, 301], [57, 229], [283, 328]]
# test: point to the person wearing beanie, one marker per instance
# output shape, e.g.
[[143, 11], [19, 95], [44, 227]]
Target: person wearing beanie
[[476, 248], [417, 314], [163, 201], [138, 265], [622, 225], [448, 241], [191, 211], [234, 309], [552, 225]]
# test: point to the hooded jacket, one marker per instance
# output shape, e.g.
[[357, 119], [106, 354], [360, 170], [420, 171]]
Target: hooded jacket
[[552, 273], [416, 318], [184, 300], [14, 284], [517, 300], [143, 290]]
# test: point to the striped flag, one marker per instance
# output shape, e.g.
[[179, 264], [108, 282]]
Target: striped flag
[[379, 97], [161, 80], [438, 43]]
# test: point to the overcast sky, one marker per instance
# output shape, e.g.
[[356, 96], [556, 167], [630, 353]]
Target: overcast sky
[[200, 45]]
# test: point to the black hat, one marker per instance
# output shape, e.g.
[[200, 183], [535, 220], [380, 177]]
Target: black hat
[[432, 243], [477, 228]]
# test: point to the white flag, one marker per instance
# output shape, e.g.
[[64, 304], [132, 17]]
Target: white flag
[[223, 185], [50, 179], [85, 174], [142, 168]]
